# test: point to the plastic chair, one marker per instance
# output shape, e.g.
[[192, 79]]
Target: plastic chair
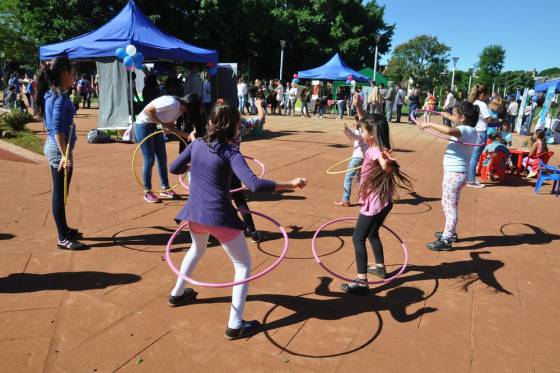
[[549, 173], [495, 167]]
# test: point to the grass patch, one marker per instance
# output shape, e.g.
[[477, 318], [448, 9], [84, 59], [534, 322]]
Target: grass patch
[[26, 139]]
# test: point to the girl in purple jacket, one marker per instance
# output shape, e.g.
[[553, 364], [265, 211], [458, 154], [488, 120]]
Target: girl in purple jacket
[[209, 210]]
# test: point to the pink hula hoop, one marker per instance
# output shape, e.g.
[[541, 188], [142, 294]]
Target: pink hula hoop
[[184, 185], [384, 281], [234, 283], [435, 133]]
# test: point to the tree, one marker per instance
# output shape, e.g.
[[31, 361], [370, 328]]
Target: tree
[[423, 59], [550, 73], [490, 64], [514, 80], [243, 31]]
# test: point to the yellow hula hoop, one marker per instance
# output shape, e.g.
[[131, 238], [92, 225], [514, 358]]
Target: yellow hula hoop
[[134, 157], [65, 168], [343, 171]]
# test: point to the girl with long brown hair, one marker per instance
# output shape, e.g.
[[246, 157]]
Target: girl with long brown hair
[[381, 177]]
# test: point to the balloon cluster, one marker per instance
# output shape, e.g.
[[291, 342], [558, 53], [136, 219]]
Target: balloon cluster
[[130, 57], [349, 79], [212, 68], [295, 79]]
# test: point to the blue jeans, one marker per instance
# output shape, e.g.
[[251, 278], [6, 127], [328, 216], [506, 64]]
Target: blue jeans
[[389, 110], [252, 106], [350, 175], [152, 149], [241, 107], [475, 156], [341, 105]]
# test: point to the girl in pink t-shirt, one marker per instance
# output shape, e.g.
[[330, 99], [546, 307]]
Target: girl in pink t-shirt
[[381, 176]]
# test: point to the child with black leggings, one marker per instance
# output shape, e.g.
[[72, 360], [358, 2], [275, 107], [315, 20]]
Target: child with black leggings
[[381, 176]]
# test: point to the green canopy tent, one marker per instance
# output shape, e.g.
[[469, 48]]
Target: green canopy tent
[[367, 71]]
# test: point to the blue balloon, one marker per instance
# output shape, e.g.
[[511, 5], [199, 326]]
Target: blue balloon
[[212, 71], [138, 65], [138, 57], [128, 61], [121, 53]]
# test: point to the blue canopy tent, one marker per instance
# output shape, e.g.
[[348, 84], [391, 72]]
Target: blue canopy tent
[[335, 69], [129, 26], [543, 86]]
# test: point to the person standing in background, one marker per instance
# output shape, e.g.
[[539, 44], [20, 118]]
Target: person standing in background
[[399, 101], [389, 99], [512, 111]]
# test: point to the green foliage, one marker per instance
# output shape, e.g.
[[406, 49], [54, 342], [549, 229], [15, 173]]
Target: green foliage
[[423, 59], [490, 64], [551, 73], [243, 31], [17, 119], [514, 80]]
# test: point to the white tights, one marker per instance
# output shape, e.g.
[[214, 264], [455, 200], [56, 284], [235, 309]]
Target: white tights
[[238, 252]]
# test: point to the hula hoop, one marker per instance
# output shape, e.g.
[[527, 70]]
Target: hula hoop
[[184, 185], [66, 168], [384, 281], [234, 283], [435, 133], [344, 171], [134, 157]]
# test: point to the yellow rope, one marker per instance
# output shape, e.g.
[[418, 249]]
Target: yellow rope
[[134, 157], [66, 168]]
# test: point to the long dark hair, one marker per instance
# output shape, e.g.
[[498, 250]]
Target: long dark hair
[[50, 77], [223, 121], [385, 182], [470, 111], [378, 127]]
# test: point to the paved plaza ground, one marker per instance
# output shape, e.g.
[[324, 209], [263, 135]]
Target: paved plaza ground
[[491, 305]]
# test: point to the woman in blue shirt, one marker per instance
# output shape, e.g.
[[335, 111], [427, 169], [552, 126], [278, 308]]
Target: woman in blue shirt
[[58, 112]]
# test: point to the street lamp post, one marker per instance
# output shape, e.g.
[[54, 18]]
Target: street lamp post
[[282, 45], [444, 74], [472, 75], [377, 38], [455, 59]]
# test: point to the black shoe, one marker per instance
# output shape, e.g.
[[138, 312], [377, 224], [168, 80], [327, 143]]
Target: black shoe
[[74, 233], [440, 245], [453, 238], [181, 299], [377, 271], [359, 287], [71, 244], [248, 328], [256, 236]]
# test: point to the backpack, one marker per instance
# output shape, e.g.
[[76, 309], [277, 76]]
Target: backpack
[[96, 136]]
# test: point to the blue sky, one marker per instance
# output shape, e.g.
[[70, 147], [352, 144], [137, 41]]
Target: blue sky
[[528, 30]]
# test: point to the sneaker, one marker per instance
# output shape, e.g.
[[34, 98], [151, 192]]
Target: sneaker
[[440, 245], [73, 233], [378, 271], [150, 197], [342, 203], [256, 236], [475, 184], [359, 287], [170, 194], [531, 175], [247, 329], [181, 299], [70, 244], [453, 238]]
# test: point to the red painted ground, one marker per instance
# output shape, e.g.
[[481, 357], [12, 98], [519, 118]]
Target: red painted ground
[[489, 306]]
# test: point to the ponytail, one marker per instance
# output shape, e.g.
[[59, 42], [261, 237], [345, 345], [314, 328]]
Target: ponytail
[[50, 77], [476, 91]]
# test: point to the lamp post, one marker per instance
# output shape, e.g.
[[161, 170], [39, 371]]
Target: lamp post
[[472, 75], [444, 74], [282, 45], [455, 59], [377, 39]]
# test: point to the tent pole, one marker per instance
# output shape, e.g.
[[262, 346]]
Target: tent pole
[[131, 100]]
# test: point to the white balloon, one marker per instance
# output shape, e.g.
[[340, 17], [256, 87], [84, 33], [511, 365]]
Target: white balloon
[[131, 50], [531, 92]]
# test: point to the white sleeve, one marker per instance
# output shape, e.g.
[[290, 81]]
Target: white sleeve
[[484, 112]]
